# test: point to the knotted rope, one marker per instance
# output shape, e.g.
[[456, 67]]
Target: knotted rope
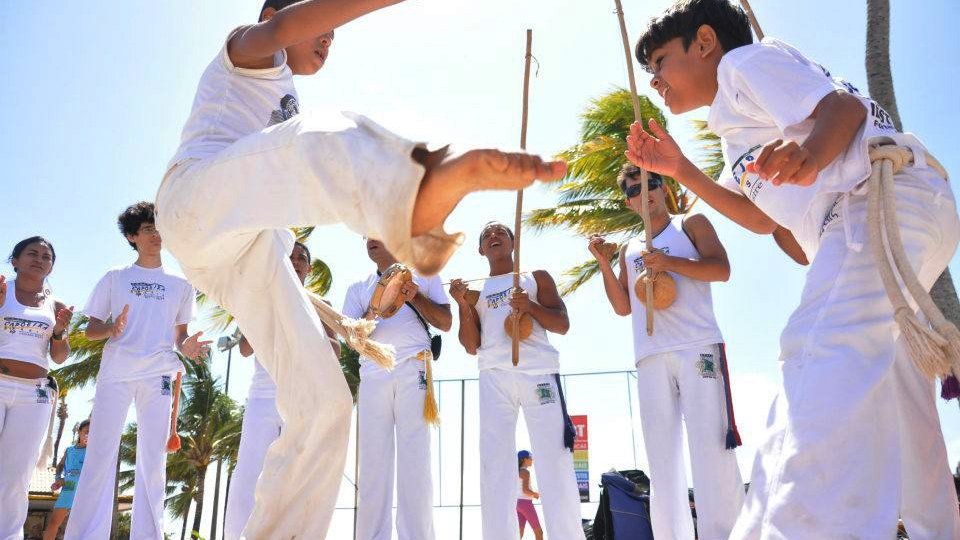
[[355, 332]]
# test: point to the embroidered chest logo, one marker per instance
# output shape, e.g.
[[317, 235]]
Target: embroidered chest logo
[[25, 327], [288, 109], [546, 394], [499, 299], [707, 366], [638, 265], [422, 379], [153, 291], [166, 388]]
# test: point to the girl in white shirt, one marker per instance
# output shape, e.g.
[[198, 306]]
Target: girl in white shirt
[[33, 332]]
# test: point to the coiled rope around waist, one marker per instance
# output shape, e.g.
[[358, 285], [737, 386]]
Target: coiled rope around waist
[[934, 348]]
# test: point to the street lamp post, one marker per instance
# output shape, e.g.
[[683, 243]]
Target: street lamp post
[[224, 344]]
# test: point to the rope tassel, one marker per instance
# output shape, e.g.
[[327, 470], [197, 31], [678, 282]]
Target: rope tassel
[[934, 351], [356, 332], [431, 413]]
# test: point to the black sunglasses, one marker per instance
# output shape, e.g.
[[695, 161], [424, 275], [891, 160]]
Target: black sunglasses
[[653, 183]]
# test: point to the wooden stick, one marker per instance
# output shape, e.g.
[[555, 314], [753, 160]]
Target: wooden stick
[[519, 209], [753, 19], [644, 175]]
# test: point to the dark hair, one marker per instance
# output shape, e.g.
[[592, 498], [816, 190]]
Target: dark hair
[[489, 224], [275, 4], [522, 456], [22, 245], [133, 217], [684, 18], [629, 170], [84, 424], [305, 248]]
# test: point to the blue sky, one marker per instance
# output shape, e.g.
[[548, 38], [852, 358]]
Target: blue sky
[[96, 98]]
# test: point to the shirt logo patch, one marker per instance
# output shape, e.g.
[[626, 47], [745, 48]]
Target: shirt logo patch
[[288, 109], [42, 396], [499, 299], [154, 291], [422, 379], [545, 393], [638, 265], [25, 327], [707, 367], [166, 388]]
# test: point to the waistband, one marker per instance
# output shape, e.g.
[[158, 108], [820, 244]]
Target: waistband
[[45, 381]]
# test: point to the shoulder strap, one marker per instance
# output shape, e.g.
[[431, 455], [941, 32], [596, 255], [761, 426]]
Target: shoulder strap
[[420, 318]]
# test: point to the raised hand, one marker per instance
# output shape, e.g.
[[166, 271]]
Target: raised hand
[[3, 290], [458, 290], [195, 349], [120, 322], [655, 151], [64, 316]]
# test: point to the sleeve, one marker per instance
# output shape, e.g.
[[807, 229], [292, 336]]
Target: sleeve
[[726, 178], [98, 305], [436, 293], [351, 303], [188, 307], [784, 87]]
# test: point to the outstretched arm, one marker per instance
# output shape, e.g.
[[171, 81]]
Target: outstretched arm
[[255, 45], [658, 152]]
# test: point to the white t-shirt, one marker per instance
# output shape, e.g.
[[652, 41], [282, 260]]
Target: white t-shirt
[[233, 102], [690, 321], [404, 331], [159, 301], [537, 355], [767, 91]]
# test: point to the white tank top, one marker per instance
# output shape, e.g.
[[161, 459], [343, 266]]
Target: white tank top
[[520, 493], [537, 355], [233, 102], [26, 331], [690, 321]]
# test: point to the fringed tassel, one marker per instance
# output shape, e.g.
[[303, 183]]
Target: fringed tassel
[[431, 413], [356, 332], [950, 387], [733, 439], [47, 451], [926, 347], [173, 442]]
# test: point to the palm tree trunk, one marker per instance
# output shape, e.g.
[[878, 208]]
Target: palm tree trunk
[[880, 85], [186, 516], [201, 478], [216, 502], [62, 415]]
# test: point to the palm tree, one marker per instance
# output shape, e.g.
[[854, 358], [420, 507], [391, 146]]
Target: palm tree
[[590, 200], [880, 85]]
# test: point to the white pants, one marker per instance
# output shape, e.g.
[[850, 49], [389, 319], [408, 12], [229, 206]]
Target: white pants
[[687, 386], [841, 427], [92, 512], [261, 426], [502, 394], [24, 414], [226, 220], [391, 423], [928, 500]]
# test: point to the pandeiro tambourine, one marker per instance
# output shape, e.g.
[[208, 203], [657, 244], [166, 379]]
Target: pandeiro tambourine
[[387, 298]]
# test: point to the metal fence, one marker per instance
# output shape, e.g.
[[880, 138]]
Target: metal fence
[[606, 398]]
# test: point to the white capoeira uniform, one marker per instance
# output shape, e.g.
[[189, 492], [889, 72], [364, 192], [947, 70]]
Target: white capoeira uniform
[[237, 183], [504, 390], [26, 406], [390, 412], [261, 426], [680, 379], [853, 431], [138, 366]]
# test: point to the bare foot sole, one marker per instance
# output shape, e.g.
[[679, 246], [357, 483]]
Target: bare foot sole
[[449, 178]]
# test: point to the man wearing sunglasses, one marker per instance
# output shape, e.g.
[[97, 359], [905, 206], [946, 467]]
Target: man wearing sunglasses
[[681, 368]]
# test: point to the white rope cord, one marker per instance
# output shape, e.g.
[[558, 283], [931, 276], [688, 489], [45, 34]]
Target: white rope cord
[[355, 332], [933, 350]]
